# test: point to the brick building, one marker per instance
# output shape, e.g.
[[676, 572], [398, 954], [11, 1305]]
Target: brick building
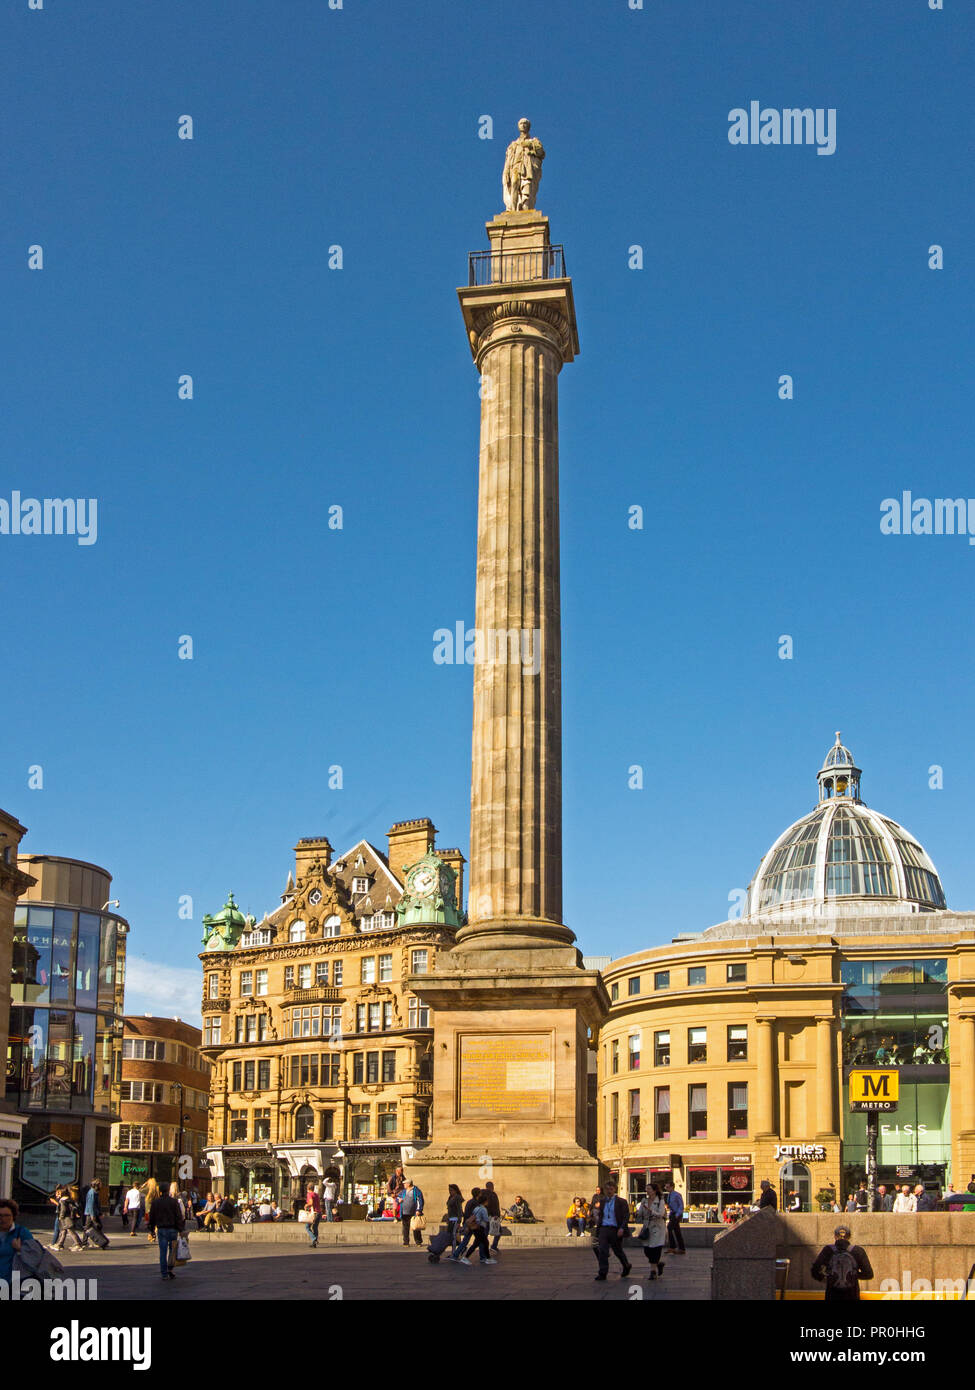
[[164, 1095]]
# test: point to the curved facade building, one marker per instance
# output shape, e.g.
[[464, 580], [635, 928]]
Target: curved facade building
[[727, 1054]]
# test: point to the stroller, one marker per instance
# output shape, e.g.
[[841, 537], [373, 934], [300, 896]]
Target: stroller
[[438, 1244]]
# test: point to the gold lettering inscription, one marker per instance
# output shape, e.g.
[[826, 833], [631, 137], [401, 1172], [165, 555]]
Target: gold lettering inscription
[[511, 1076]]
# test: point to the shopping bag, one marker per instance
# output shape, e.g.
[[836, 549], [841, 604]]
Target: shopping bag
[[305, 1216], [183, 1255], [419, 1222]]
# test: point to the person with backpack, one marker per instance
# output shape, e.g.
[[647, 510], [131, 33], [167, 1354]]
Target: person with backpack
[[842, 1265], [67, 1216]]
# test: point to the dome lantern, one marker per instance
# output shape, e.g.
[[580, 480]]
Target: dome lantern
[[839, 775]]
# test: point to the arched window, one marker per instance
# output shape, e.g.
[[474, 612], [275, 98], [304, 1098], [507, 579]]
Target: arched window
[[297, 931], [795, 1181], [332, 926], [304, 1123]]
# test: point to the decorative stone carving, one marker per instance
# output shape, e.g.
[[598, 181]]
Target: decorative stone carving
[[522, 169]]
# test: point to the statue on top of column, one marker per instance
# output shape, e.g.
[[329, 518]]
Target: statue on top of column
[[522, 169]]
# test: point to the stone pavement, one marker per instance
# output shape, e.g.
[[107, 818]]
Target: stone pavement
[[129, 1271]]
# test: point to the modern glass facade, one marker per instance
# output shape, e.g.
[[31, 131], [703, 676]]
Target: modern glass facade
[[895, 1014], [64, 1049]]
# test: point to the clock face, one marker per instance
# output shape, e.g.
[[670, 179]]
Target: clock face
[[315, 896], [423, 881]]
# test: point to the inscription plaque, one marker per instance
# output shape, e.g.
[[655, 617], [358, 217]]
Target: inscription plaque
[[507, 1076]]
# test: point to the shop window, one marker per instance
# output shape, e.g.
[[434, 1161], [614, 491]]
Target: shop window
[[661, 979], [661, 1048], [737, 1110], [696, 975], [697, 1112], [637, 1187], [737, 973], [737, 1043], [697, 1044], [661, 1112]]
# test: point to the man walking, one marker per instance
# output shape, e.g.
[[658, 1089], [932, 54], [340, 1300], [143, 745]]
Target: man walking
[[478, 1229], [492, 1205], [842, 1265], [610, 1217], [329, 1193], [768, 1197], [133, 1208], [313, 1205], [165, 1221], [675, 1206], [464, 1233], [410, 1205]]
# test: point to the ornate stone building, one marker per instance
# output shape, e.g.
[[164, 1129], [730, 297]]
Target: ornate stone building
[[322, 1057]]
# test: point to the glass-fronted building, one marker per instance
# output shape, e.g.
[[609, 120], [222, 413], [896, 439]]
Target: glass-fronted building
[[64, 1047]]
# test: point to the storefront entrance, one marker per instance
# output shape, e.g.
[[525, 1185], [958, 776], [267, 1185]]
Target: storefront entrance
[[718, 1193], [795, 1184]]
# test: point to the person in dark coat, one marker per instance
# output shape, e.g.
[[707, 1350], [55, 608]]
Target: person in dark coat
[[883, 1200], [842, 1265], [608, 1220], [768, 1197], [166, 1219]]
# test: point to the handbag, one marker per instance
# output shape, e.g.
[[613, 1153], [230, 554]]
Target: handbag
[[494, 1226], [418, 1222], [305, 1216]]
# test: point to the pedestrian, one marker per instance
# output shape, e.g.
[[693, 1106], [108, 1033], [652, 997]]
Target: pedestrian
[[67, 1216], [12, 1236], [851, 1202], [477, 1226], [924, 1200], [492, 1205], [55, 1200], [882, 1201], [166, 1220], [133, 1208], [654, 1214], [862, 1198], [150, 1193], [842, 1265], [675, 1236], [94, 1236], [465, 1232], [410, 1211], [795, 1202], [768, 1197], [905, 1201], [329, 1193], [313, 1205], [396, 1183], [575, 1217], [455, 1214], [608, 1220]]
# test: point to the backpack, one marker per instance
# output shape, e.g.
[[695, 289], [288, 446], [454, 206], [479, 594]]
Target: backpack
[[842, 1272]]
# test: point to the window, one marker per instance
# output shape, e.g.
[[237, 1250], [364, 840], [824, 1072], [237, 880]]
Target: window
[[252, 1028], [213, 986], [336, 972], [262, 1124], [289, 977], [375, 1018], [305, 1069], [360, 885], [328, 1124], [385, 968], [212, 1032], [614, 1056], [387, 1017], [661, 1112], [633, 985], [360, 1121], [633, 1044], [332, 1021], [304, 976], [372, 1068], [304, 1123], [738, 1043], [239, 1028], [306, 1021], [419, 962], [360, 1018], [697, 1044], [737, 974], [148, 1092], [250, 1072], [697, 1112], [358, 1068], [246, 982], [614, 991], [264, 1075], [661, 1048], [238, 1126], [144, 1049], [696, 975], [321, 972], [737, 1110], [237, 1076], [367, 970], [419, 1014], [389, 1066], [256, 938], [261, 982], [634, 1109], [297, 931], [661, 979], [386, 1119], [139, 1138], [332, 926]]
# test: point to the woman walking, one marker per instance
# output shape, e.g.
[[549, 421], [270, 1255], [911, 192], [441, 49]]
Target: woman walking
[[67, 1215], [152, 1192], [653, 1212], [455, 1214]]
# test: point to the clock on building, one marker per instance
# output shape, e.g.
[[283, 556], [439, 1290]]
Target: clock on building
[[422, 881]]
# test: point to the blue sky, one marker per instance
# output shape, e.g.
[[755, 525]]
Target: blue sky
[[315, 387]]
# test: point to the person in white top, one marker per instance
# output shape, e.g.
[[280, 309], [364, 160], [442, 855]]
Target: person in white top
[[134, 1207], [329, 1193], [905, 1200]]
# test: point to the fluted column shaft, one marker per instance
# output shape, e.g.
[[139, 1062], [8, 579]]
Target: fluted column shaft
[[825, 1077], [766, 1080]]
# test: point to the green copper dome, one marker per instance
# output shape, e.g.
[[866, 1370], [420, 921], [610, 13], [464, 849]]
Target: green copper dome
[[221, 932]]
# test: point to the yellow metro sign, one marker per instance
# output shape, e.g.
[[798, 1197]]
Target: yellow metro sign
[[874, 1089]]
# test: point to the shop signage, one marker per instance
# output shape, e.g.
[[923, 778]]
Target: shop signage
[[874, 1090], [812, 1153], [48, 1163], [132, 1168]]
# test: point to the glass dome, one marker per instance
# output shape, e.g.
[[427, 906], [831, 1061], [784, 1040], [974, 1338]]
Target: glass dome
[[843, 852]]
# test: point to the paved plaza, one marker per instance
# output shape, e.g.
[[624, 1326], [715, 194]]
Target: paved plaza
[[129, 1271]]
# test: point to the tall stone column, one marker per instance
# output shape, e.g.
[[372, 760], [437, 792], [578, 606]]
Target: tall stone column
[[825, 1077], [766, 1082], [963, 1074]]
